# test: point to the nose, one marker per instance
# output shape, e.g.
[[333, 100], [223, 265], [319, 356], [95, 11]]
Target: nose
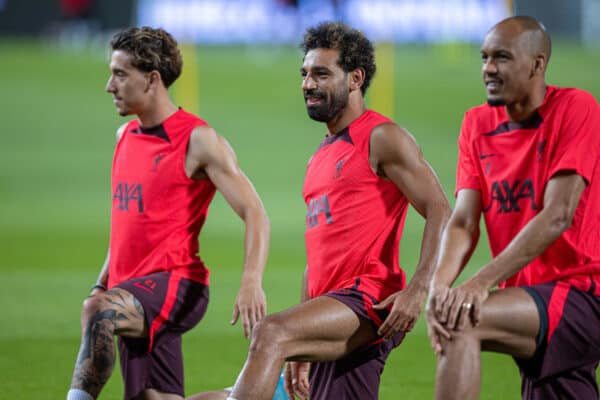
[[110, 86], [308, 83], [489, 66]]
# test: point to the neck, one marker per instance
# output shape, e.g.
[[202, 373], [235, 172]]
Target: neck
[[353, 110], [528, 105], [156, 113]]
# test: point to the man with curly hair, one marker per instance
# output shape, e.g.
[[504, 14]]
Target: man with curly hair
[[355, 304], [153, 286]]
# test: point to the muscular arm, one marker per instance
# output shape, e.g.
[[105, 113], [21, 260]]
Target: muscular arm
[[561, 198], [210, 154], [396, 156], [459, 238]]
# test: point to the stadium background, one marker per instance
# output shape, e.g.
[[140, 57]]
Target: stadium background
[[57, 135]]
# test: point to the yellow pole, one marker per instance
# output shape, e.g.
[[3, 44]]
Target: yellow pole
[[187, 87], [381, 92]]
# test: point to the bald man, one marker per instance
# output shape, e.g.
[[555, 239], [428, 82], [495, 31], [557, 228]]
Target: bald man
[[528, 161]]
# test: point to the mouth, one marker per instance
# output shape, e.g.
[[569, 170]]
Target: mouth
[[493, 85], [313, 99]]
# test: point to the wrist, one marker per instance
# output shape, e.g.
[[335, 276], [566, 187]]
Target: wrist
[[99, 286]]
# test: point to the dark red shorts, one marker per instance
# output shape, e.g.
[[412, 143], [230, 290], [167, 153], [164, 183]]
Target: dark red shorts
[[172, 305], [357, 375], [564, 365]]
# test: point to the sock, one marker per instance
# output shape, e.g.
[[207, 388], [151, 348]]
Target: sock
[[78, 394]]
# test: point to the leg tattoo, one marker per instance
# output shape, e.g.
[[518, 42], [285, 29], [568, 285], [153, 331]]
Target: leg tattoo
[[96, 358]]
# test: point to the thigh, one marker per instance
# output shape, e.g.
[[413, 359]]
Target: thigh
[[571, 336], [321, 329], [353, 377], [167, 302], [144, 372], [510, 323]]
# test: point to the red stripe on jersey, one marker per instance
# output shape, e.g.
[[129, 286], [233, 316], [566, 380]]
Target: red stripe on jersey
[[170, 297], [556, 306]]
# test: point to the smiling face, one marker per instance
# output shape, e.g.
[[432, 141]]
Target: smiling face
[[128, 85], [509, 65], [324, 84]]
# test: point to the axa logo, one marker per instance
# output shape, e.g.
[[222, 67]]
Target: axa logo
[[316, 207], [126, 193], [511, 196]]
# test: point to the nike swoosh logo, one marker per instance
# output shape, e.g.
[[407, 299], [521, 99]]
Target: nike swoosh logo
[[483, 156]]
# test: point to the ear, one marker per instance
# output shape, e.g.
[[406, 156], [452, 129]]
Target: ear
[[357, 79], [539, 64], [154, 79]]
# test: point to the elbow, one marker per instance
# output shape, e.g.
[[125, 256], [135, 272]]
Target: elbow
[[560, 220]]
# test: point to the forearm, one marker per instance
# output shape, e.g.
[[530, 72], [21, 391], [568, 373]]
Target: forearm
[[256, 245], [103, 276], [529, 243], [434, 226], [457, 244]]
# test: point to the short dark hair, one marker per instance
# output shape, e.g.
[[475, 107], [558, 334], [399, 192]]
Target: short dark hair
[[356, 51], [151, 49]]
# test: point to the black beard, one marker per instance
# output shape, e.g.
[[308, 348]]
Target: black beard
[[496, 102], [328, 110]]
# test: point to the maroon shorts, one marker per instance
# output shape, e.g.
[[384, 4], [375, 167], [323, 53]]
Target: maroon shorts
[[357, 375], [564, 365], [172, 305]]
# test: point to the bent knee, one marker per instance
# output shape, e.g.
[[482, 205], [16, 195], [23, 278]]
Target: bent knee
[[96, 308], [269, 333], [467, 335]]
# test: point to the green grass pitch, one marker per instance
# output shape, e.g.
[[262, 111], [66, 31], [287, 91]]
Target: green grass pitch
[[57, 139]]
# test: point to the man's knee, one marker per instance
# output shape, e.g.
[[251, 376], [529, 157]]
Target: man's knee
[[96, 310], [467, 336], [269, 334]]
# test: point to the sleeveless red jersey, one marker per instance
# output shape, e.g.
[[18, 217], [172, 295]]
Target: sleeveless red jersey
[[157, 211], [355, 218], [510, 164]]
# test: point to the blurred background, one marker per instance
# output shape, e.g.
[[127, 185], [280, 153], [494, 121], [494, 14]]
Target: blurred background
[[241, 73]]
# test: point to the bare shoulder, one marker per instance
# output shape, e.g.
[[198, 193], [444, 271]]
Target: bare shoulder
[[206, 145], [391, 141]]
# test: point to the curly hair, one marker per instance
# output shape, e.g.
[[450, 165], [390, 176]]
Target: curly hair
[[356, 51], [151, 49]]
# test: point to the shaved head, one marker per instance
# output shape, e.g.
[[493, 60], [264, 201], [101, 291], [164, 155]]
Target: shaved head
[[532, 31]]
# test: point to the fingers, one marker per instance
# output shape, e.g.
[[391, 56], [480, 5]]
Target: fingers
[[395, 323], [287, 381], [445, 306], [439, 299], [300, 379], [476, 313], [235, 315], [436, 331], [384, 304]]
